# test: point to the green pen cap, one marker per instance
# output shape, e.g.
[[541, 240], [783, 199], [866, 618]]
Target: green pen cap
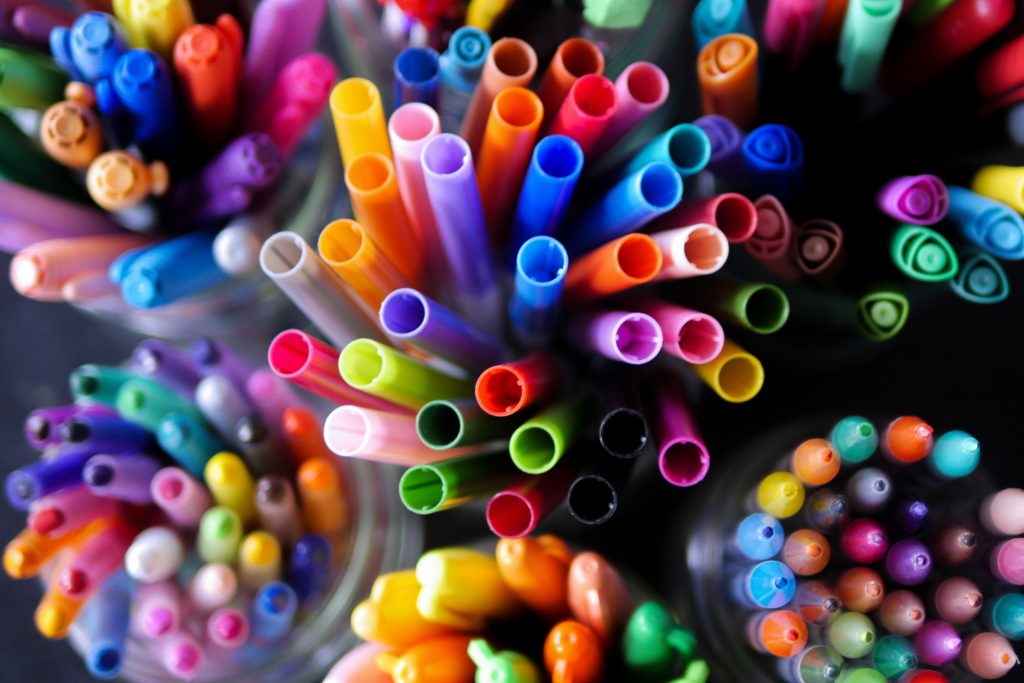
[[981, 280], [866, 31], [219, 535], [22, 160], [881, 314], [653, 642], [29, 80], [923, 11], [862, 675], [447, 424], [147, 402], [696, 671], [893, 656], [923, 254], [539, 443], [424, 489], [818, 664], [852, 634], [855, 438], [392, 375], [98, 383], [616, 13], [501, 667]]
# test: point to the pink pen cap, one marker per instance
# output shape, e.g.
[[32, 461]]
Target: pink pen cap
[[640, 89], [296, 100], [921, 200], [586, 111], [957, 600], [682, 456], [693, 336], [691, 251], [988, 656], [1007, 561], [159, 609], [359, 666], [182, 498], [351, 431], [213, 586], [771, 243], [227, 628], [91, 564], [69, 509], [790, 27], [818, 248], [181, 655], [1002, 513]]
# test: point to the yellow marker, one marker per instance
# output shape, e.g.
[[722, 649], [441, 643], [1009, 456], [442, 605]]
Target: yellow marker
[[154, 24], [259, 560], [70, 131], [734, 374], [780, 494], [120, 180], [483, 13], [390, 616], [359, 119], [56, 611], [1002, 183], [462, 588], [231, 485]]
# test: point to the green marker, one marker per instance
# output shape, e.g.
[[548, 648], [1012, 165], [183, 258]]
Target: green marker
[[923, 11], [696, 671], [147, 402], [923, 254], [981, 280], [430, 488], [392, 375], [866, 31], [616, 13], [98, 383], [23, 161], [501, 667], [852, 634], [29, 80], [862, 675], [540, 442], [881, 314], [219, 535], [855, 438], [653, 642], [893, 656], [762, 308], [449, 424]]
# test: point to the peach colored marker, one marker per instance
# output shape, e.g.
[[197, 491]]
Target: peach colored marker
[[70, 130], [120, 180], [598, 596], [510, 63]]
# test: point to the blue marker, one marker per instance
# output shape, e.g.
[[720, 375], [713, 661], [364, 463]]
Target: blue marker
[[106, 434], [955, 454], [855, 439], [417, 73], [631, 203], [767, 585], [989, 224], [713, 18], [760, 536], [189, 442], [89, 49], [310, 568], [726, 145], [141, 87], [104, 623], [547, 189], [540, 274], [170, 271], [1006, 616], [272, 612], [685, 147], [28, 484], [461, 65], [774, 159]]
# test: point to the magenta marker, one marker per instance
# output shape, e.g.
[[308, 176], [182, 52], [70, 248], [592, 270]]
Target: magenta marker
[[181, 655], [182, 498], [94, 562], [122, 477], [682, 457], [640, 89], [159, 609], [1007, 561], [66, 511], [271, 396], [295, 101], [625, 336], [864, 541], [921, 200], [908, 562], [937, 643], [790, 27], [687, 334], [227, 628]]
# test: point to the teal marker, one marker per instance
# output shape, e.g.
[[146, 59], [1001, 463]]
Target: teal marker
[[501, 667], [653, 642], [855, 438], [1006, 616], [955, 454], [923, 254], [816, 664], [893, 656], [616, 13], [98, 383], [147, 402], [866, 31], [981, 279]]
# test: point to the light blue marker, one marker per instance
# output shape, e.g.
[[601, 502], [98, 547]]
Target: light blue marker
[[766, 585], [461, 65], [855, 439], [540, 275], [955, 454], [981, 280], [272, 612], [169, 271], [685, 147], [189, 442], [989, 224], [104, 623], [760, 536], [1006, 616], [713, 18], [89, 49]]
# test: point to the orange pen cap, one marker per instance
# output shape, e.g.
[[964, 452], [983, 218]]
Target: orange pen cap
[[348, 248], [573, 654], [860, 589], [816, 462], [598, 597], [908, 439], [627, 262], [304, 434], [439, 660], [70, 130], [806, 552], [727, 71], [323, 498], [390, 616], [208, 65], [575, 57], [537, 571], [781, 633], [510, 63], [119, 180]]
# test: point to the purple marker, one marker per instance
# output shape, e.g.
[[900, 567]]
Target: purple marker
[[937, 643], [921, 200], [182, 498], [280, 31], [625, 336], [53, 217], [29, 483], [214, 358], [43, 425], [910, 516], [105, 434], [726, 146], [908, 562], [271, 396], [1007, 561], [123, 477], [167, 364]]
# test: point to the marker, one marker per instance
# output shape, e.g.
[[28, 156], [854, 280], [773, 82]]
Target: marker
[[865, 35], [626, 262], [791, 28], [94, 562], [350, 431], [999, 74], [759, 536], [819, 248], [69, 510], [910, 515], [182, 498], [937, 643], [772, 241], [766, 585], [628, 337], [43, 425], [865, 541], [1007, 561], [208, 66], [389, 616], [852, 635], [594, 495], [1001, 183], [815, 462], [957, 600], [425, 489], [988, 656], [780, 633], [780, 494], [448, 597], [690, 335], [181, 655], [731, 213], [166, 363], [640, 89], [295, 101], [104, 621], [726, 138], [506, 389], [227, 629], [272, 612], [534, 309], [31, 80], [1001, 512], [572, 652], [56, 613], [155, 555], [955, 454], [827, 510], [816, 602], [869, 489], [321, 490], [920, 200], [727, 72], [510, 63], [573, 59], [1006, 615], [893, 656], [28, 484], [213, 586], [359, 666], [881, 314], [141, 88], [855, 439], [774, 159], [309, 571], [348, 248], [923, 676], [88, 49], [447, 654], [304, 435], [598, 596], [461, 64], [923, 254], [121, 477], [358, 120], [816, 664], [954, 544], [683, 459], [712, 19], [981, 279], [231, 485], [395, 376], [159, 609], [120, 180], [280, 31], [538, 444], [516, 510], [862, 675], [417, 72], [806, 552], [685, 147], [70, 130], [860, 589], [653, 642], [907, 439], [219, 535], [155, 26], [901, 613], [504, 666], [691, 251], [908, 562]]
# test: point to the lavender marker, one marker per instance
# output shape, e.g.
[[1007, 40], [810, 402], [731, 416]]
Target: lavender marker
[[43, 426], [908, 562], [214, 358], [123, 477], [166, 364], [625, 336]]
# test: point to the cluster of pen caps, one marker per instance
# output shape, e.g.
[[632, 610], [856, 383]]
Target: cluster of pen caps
[[877, 572], [184, 509], [139, 154], [532, 611]]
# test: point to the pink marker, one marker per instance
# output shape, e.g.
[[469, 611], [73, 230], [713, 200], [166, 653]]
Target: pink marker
[[518, 509], [280, 31], [227, 628], [690, 335], [691, 251], [40, 271], [731, 213], [1002, 513], [790, 26], [296, 99], [772, 241], [921, 200], [159, 609], [818, 248], [182, 655], [1007, 561], [352, 431], [97, 559], [86, 287], [682, 456], [640, 89], [68, 510], [586, 111], [624, 336], [181, 497], [864, 541], [271, 396], [359, 666]]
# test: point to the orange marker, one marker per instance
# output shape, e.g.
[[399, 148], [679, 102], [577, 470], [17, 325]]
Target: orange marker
[[348, 248], [780, 633], [629, 261], [373, 189], [537, 571], [598, 596], [727, 71], [573, 654], [574, 58], [120, 180], [28, 552], [908, 439], [323, 498], [806, 552], [816, 462], [505, 154], [304, 435], [56, 611], [860, 589], [390, 617], [440, 660], [70, 130], [511, 63], [208, 66]]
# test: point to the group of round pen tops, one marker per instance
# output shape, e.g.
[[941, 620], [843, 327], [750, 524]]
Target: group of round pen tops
[[194, 114], [462, 616], [151, 534], [888, 519]]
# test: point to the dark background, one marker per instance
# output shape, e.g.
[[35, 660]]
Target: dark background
[[956, 364]]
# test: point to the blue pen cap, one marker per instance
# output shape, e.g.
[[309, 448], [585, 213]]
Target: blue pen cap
[[417, 72], [955, 454], [987, 223], [464, 59], [1006, 616], [171, 270], [104, 624], [273, 611], [142, 85], [855, 439], [774, 159], [713, 18], [760, 536], [540, 275], [767, 585], [310, 569]]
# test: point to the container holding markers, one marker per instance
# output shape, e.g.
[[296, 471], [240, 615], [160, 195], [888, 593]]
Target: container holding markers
[[857, 550]]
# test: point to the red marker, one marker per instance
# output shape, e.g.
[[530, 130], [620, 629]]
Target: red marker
[[504, 389], [1000, 76], [586, 111], [208, 65]]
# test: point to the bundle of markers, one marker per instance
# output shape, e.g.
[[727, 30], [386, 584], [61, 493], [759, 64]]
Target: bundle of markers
[[866, 567], [139, 151], [462, 616], [184, 513]]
